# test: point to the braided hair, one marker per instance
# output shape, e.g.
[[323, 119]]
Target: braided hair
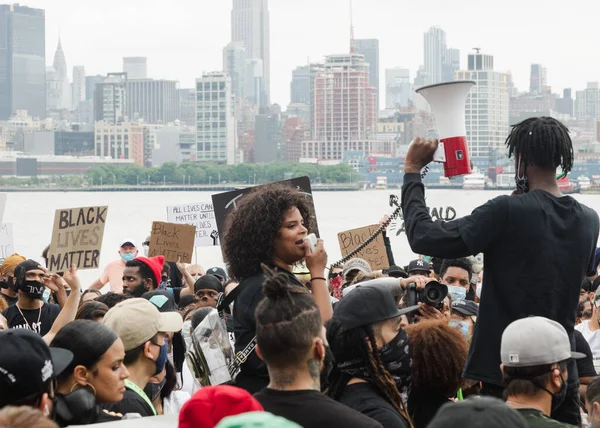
[[543, 142], [360, 343], [287, 321]]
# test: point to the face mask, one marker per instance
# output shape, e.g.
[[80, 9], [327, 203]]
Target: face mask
[[521, 182], [152, 390], [478, 290], [586, 315], [161, 361], [187, 335], [46, 295], [463, 326], [33, 289], [336, 283], [164, 284], [146, 250], [559, 397], [457, 293], [127, 257], [328, 364], [195, 277], [395, 357]]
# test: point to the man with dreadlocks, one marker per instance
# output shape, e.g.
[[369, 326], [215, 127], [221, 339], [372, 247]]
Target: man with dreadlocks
[[538, 245]]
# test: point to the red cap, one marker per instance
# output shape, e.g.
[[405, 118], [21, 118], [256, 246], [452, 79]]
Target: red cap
[[156, 264], [209, 405]]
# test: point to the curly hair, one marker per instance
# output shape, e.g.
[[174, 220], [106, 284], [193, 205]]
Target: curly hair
[[439, 353], [252, 228]]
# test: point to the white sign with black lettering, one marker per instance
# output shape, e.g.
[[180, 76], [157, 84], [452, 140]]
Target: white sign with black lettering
[[7, 240], [201, 215]]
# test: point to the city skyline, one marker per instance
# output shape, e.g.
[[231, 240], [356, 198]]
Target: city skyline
[[169, 35]]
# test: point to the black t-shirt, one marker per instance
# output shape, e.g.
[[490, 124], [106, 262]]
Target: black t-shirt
[[254, 375], [422, 407], [312, 409], [131, 403], [585, 366], [47, 315], [10, 300], [537, 249], [366, 399]]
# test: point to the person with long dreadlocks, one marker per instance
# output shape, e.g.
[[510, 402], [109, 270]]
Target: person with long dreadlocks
[[538, 245], [372, 355]]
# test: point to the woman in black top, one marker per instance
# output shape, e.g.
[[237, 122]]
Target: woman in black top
[[95, 376], [268, 227]]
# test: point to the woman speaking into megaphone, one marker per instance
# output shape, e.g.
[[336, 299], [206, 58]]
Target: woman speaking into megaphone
[[537, 245]]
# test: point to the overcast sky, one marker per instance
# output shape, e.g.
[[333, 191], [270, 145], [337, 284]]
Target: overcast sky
[[183, 38]]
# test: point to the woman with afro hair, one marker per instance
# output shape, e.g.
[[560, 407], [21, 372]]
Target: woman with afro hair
[[268, 227]]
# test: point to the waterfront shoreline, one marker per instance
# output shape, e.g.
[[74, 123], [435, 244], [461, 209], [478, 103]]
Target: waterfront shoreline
[[167, 188]]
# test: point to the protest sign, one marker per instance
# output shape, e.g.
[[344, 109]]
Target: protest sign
[[7, 240], [447, 213], [200, 215], [225, 203], [2, 206], [77, 238], [173, 241], [374, 253]]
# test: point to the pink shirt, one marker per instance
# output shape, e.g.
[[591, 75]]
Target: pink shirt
[[113, 273]]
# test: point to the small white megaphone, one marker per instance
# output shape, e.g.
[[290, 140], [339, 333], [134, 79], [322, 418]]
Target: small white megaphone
[[447, 101]]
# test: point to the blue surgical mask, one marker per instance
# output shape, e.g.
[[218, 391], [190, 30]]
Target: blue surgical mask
[[186, 333], [146, 250], [161, 361], [457, 293], [463, 326], [127, 257]]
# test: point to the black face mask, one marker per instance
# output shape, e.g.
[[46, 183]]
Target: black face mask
[[328, 364], [9, 284], [33, 289], [153, 390], [395, 357], [559, 397]]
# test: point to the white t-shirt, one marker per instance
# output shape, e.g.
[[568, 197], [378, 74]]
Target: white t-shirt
[[593, 339]]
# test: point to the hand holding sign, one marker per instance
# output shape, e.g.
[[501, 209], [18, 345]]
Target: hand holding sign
[[173, 241]]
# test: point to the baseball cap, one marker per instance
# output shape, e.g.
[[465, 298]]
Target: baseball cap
[[396, 272], [26, 364], [360, 265], [418, 265], [367, 305], [210, 404], [477, 412], [208, 282], [466, 307], [218, 272], [136, 321], [129, 242], [535, 341], [162, 299], [257, 420]]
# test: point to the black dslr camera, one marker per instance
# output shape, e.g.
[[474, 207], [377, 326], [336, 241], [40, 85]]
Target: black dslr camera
[[433, 294]]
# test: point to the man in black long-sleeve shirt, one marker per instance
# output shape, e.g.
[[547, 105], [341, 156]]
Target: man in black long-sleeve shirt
[[538, 245]]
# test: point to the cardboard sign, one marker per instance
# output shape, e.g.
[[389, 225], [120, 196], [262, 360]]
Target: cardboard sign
[[173, 241], [7, 240], [224, 203], [374, 253], [200, 215], [77, 238]]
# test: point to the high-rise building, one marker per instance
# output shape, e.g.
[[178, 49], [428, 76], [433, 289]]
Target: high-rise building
[[60, 65], [154, 101], [564, 105], [216, 135], [234, 64], [370, 49], [268, 139], [440, 62], [398, 89], [536, 79], [187, 107], [123, 140], [54, 86], [487, 109], [135, 67], [110, 98], [587, 102], [90, 85], [250, 24], [22, 61], [254, 82], [344, 113], [300, 85], [78, 86]]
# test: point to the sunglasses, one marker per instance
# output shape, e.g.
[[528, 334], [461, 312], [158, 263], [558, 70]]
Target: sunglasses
[[146, 243], [334, 275]]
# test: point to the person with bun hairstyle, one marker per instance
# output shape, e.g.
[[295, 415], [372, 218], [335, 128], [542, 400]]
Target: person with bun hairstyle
[[292, 342], [269, 226], [95, 376]]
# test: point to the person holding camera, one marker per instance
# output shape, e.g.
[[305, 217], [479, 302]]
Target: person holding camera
[[538, 245]]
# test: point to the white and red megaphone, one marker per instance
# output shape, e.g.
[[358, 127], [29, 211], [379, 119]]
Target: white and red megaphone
[[447, 101]]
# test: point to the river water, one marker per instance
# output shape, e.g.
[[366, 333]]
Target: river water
[[130, 216]]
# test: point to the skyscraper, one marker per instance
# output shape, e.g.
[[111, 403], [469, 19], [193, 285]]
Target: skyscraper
[[22, 61], [234, 64], [135, 67], [78, 86], [300, 85], [370, 49], [60, 66], [215, 128], [155, 101], [250, 24], [398, 89], [440, 62], [110, 98], [486, 111], [537, 79]]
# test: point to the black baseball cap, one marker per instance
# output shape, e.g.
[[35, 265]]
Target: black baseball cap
[[163, 300], [466, 307], [418, 265], [477, 412], [367, 305], [208, 282], [27, 364], [218, 272], [396, 272]]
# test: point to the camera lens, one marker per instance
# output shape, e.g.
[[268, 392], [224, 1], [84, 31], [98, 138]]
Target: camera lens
[[435, 293]]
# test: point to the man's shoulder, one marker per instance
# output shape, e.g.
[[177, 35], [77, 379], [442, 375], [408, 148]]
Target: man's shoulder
[[115, 263], [537, 419]]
